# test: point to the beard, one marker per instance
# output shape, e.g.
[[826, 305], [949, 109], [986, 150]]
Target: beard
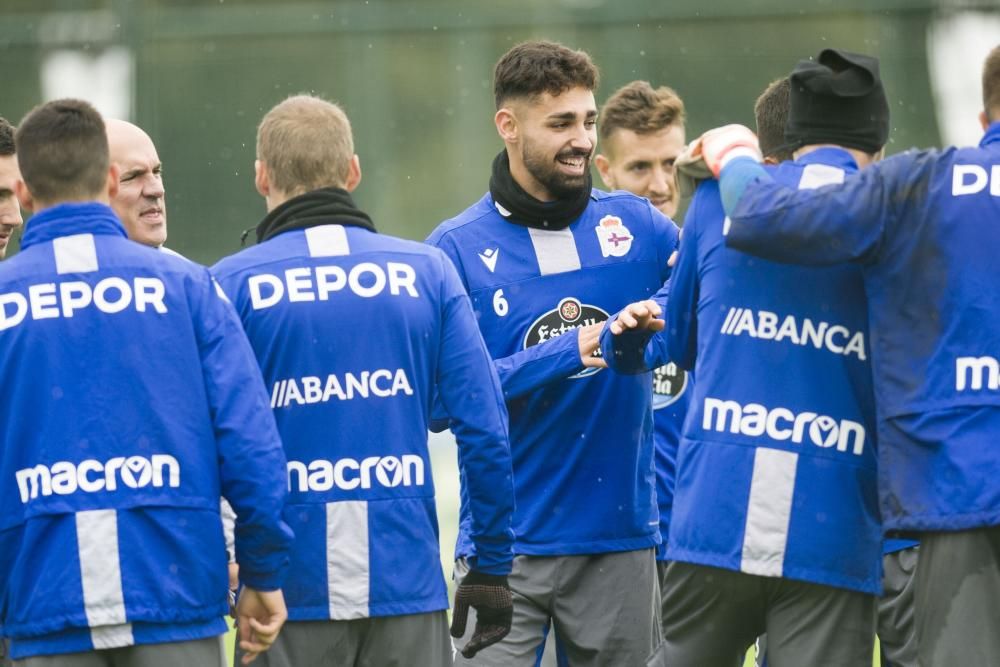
[[544, 170]]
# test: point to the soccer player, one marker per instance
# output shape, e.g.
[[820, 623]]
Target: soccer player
[[354, 331], [770, 113], [545, 258], [641, 130], [894, 608], [642, 134], [921, 227], [775, 525], [10, 210], [133, 402]]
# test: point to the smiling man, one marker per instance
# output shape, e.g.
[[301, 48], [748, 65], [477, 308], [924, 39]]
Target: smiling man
[[545, 258], [10, 210], [140, 200]]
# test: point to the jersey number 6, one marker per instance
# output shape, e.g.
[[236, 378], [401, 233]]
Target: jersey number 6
[[499, 303]]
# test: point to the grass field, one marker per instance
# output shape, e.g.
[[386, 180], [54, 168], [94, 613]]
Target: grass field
[[445, 470]]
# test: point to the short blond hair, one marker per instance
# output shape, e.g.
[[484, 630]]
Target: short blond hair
[[640, 108], [306, 144]]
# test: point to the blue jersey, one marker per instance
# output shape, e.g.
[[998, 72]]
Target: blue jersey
[[581, 439], [923, 228], [671, 397], [354, 330], [777, 466], [132, 402]]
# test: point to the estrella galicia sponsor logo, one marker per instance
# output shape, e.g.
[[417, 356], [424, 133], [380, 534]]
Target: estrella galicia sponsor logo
[[669, 384], [348, 474], [781, 424], [975, 373], [90, 476], [765, 325], [568, 316]]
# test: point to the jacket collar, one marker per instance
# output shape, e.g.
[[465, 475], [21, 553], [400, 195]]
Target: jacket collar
[[992, 135], [69, 219], [325, 206], [831, 156]]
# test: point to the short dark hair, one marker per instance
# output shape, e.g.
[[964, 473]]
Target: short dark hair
[[771, 113], [638, 107], [6, 137], [62, 150], [991, 85], [534, 68]]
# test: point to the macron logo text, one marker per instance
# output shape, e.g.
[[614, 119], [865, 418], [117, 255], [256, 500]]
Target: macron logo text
[[977, 372], [348, 474], [782, 424], [90, 476]]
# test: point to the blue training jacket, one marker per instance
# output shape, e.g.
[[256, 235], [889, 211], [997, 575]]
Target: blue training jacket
[[671, 399], [132, 402], [354, 331], [777, 466], [924, 228], [581, 439]]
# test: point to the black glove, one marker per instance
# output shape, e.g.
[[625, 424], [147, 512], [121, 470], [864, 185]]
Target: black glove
[[490, 596]]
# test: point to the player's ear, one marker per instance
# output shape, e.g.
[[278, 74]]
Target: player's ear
[[114, 181], [984, 120], [24, 195], [604, 169], [507, 126], [353, 174], [261, 180]]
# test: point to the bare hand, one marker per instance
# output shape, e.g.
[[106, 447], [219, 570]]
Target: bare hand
[[259, 617], [641, 315], [234, 583], [589, 338]]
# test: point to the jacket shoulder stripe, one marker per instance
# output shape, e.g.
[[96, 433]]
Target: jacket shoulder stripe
[[555, 250], [75, 254], [327, 241]]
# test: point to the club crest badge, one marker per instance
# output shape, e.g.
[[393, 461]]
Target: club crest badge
[[615, 238]]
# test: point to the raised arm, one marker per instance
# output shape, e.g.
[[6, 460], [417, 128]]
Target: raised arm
[[829, 225]]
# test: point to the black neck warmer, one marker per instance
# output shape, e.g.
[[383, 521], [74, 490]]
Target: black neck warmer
[[326, 206], [528, 211]]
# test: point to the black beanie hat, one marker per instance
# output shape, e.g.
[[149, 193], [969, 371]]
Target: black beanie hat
[[837, 99]]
